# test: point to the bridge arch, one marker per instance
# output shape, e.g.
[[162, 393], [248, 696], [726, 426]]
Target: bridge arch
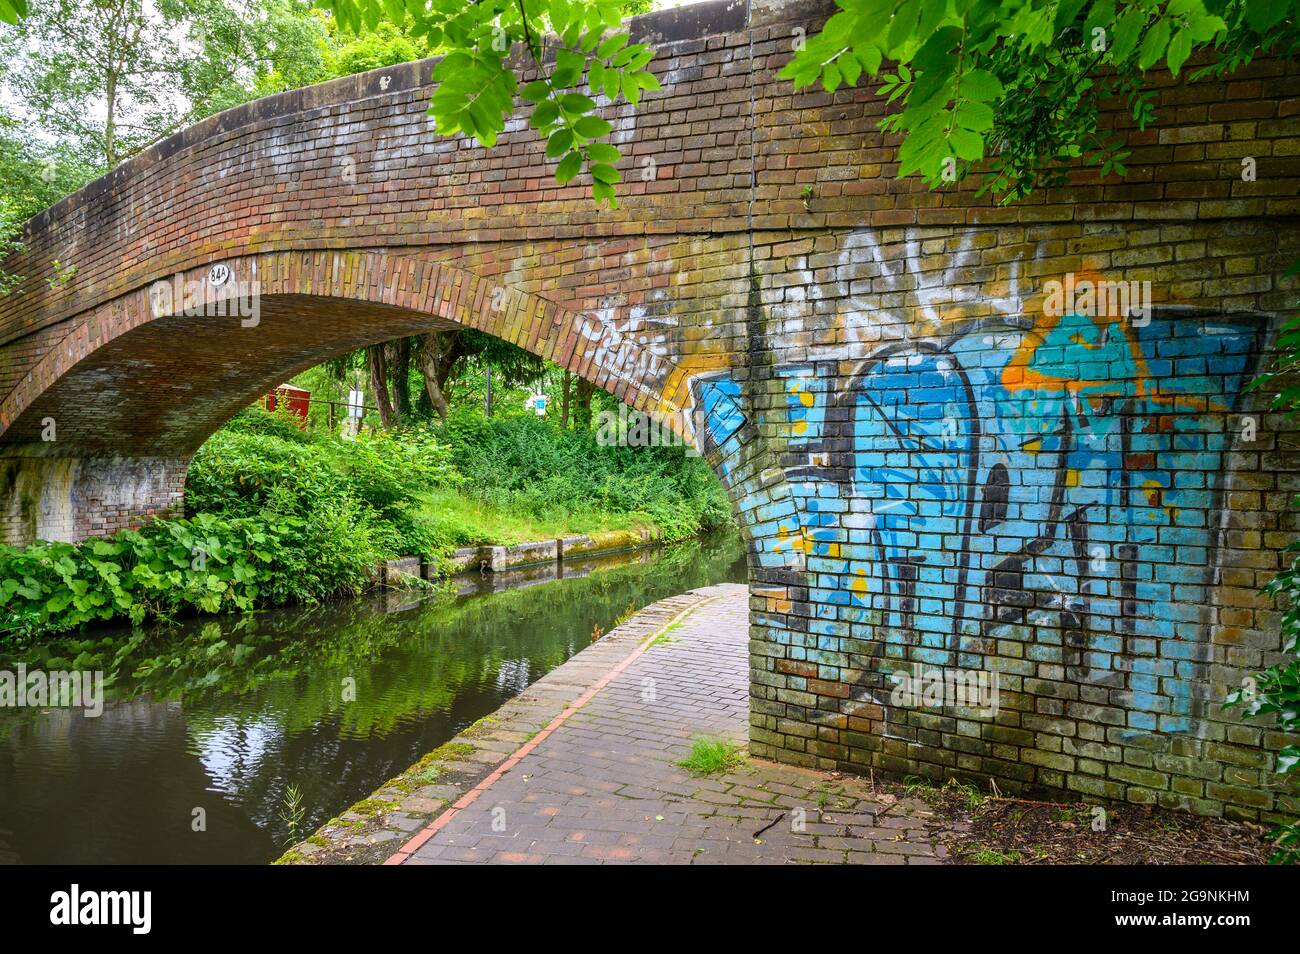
[[149, 376]]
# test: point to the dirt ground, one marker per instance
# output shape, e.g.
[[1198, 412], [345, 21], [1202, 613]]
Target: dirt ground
[[1010, 831]]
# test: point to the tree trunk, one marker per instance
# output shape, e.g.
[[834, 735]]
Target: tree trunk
[[378, 366], [401, 378], [110, 122], [564, 399], [582, 413], [438, 355]]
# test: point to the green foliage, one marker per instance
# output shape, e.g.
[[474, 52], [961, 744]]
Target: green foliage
[[477, 84], [241, 471], [1018, 85], [1276, 690], [98, 76], [36, 174], [10, 241], [386, 45], [101, 79], [286, 45], [283, 515], [208, 563], [527, 465]]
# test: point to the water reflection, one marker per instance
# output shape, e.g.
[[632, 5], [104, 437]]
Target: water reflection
[[216, 719]]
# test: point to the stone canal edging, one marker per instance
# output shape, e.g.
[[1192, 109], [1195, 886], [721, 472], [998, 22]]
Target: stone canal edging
[[386, 825], [498, 559]]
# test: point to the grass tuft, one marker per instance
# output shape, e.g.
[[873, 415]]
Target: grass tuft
[[711, 756]]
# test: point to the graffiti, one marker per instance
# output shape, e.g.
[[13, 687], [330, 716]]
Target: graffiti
[[1049, 483], [634, 355]]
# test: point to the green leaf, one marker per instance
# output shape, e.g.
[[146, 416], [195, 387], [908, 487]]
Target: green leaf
[[1101, 14], [624, 56], [830, 77], [592, 127], [966, 145], [974, 116], [559, 143], [545, 114], [604, 173], [631, 92], [1180, 48], [1153, 45], [643, 56], [1205, 28], [1288, 758], [575, 104], [870, 57], [604, 192], [569, 167], [11, 11], [568, 68], [613, 45], [1128, 30], [58, 602], [903, 25], [1263, 14], [602, 152], [536, 91], [980, 85], [850, 68]]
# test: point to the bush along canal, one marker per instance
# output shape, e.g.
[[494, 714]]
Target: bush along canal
[[228, 739]]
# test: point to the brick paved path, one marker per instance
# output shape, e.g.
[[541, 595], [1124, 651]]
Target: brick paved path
[[602, 786]]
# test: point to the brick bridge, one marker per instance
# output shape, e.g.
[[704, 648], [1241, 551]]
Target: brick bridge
[[939, 459]]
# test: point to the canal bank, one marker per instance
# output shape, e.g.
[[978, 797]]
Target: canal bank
[[583, 767], [216, 728], [535, 556]]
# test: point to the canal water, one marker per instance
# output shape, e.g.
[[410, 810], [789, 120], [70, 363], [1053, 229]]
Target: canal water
[[221, 718]]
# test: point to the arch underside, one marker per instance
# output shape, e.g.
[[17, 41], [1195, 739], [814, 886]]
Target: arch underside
[[163, 387], [157, 371]]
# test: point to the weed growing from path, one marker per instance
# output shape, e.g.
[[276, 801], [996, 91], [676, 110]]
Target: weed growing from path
[[667, 638], [710, 756]]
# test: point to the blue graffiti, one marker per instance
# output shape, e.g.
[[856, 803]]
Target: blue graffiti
[[1051, 485]]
